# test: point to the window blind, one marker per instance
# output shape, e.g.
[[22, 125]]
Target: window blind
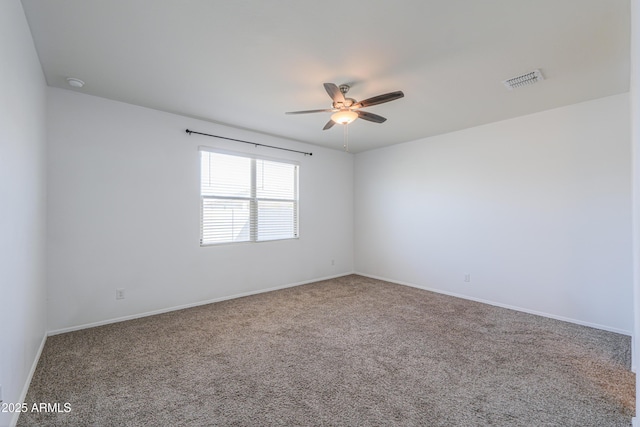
[[245, 199]]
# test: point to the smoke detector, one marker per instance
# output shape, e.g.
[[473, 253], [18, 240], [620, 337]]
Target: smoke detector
[[529, 78], [73, 82]]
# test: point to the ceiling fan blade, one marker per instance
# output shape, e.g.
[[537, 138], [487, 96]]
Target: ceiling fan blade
[[365, 115], [311, 111], [380, 99], [334, 92], [329, 125]]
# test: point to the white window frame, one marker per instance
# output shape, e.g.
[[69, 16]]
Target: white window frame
[[252, 199]]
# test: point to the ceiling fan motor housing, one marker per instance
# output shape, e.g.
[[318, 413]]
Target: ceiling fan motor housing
[[348, 102]]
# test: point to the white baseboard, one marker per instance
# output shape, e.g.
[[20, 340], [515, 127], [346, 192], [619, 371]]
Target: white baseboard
[[25, 388], [190, 305], [497, 304]]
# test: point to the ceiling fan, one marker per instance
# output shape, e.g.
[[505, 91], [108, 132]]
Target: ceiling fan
[[346, 110]]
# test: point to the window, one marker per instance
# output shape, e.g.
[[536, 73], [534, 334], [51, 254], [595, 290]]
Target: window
[[246, 199]]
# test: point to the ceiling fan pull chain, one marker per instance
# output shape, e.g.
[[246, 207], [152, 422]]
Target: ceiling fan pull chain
[[346, 137]]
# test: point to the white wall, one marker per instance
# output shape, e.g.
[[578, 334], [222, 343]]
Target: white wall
[[124, 213], [22, 203], [635, 141], [537, 209]]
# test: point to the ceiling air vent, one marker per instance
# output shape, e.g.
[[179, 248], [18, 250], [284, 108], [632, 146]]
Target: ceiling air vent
[[526, 79]]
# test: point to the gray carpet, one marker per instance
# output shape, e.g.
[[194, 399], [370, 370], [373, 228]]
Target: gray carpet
[[351, 351]]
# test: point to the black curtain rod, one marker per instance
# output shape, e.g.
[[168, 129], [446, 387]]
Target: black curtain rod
[[248, 142]]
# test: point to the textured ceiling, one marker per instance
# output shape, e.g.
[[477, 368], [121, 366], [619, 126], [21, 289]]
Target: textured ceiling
[[245, 62]]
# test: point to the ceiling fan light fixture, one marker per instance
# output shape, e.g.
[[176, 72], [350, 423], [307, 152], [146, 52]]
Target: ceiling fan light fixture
[[344, 117]]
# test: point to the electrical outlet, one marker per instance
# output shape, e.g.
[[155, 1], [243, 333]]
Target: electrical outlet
[[120, 293], [333, 262], [467, 277]]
